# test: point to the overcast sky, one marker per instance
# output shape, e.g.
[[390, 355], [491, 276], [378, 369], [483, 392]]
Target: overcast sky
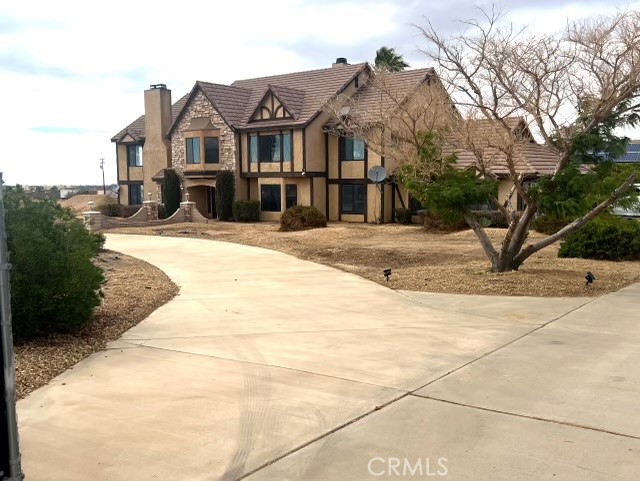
[[73, 72]]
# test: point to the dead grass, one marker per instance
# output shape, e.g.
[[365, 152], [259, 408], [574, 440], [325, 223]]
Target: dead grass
[[80, 203], [133, 290], [421, 261]]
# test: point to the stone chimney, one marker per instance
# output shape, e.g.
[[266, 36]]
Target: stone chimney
[[156, 152], [340, 62]]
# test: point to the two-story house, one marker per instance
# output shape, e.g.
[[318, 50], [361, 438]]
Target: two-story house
[[272, 133]]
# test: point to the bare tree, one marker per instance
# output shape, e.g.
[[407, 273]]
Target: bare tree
[[564, 85]]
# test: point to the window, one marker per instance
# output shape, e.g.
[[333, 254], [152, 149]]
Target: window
[[193, 151], [270, 198], [354, 198], [291, 194], [211, 150], [135, 194], [271, 148], [134, 155], [352, 149]]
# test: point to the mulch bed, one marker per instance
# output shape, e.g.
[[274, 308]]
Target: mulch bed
[[133, 290]]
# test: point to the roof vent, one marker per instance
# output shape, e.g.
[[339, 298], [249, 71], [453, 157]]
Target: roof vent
[[340, 61], [158, 86]]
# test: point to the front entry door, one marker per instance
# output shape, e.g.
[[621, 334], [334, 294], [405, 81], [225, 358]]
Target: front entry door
[[211, 202]]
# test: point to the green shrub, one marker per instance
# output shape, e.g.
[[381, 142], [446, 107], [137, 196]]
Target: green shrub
[[549, 224], [246, 210], [171, 194], [55, 286], [111, 210], [491, 218], [607, 237], [225, 193], [403, 216], [302, 217]]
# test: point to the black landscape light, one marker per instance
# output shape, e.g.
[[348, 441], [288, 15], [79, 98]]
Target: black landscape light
[[590, 278], [387, 274]]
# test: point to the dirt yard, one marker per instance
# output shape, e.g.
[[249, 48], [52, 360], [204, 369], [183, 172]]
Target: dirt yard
[[133, 290], [420, 261]]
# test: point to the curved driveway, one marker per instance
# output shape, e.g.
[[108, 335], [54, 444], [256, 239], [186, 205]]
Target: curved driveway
[[269, 367]]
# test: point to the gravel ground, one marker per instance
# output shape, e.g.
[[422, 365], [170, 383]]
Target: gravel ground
[[420, 261], [133, 290]]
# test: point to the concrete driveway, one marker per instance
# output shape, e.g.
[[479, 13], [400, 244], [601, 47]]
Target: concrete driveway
[[266, 367]]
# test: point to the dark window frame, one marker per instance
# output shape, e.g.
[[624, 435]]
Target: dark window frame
[[344, 191], [139, 197], [258, 147], [207, 150], [132, 154], [291, 195], [272, 201], [346, 154]]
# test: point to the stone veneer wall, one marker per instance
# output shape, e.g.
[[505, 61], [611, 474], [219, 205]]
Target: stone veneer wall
[[201, 107]]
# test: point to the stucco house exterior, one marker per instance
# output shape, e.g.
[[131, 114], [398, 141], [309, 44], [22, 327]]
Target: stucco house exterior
[[271, 132]]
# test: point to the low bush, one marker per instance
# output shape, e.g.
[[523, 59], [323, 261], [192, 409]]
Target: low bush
[[491, 218], [403, 215], [549, 224], [55, 286], [301, 217], [433, 222], [246, 210], [607, 237], [111, 210]]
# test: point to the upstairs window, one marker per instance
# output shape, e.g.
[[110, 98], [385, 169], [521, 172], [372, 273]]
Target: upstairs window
[[193, 151], [352, 149], [134, 155], [211, 150], [271, 148]]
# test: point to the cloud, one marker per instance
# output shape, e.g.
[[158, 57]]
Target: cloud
[[73, 72]]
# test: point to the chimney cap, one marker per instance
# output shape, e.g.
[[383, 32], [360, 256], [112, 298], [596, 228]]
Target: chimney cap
[[341, 60], [158, 86]]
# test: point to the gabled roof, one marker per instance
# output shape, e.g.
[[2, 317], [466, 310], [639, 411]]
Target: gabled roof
[[292, 99], [319, 86], [136, 128], [303, 94], [399, 84]]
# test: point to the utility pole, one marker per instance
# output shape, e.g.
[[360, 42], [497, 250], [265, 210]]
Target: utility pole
[[104, 186], [10, 469]]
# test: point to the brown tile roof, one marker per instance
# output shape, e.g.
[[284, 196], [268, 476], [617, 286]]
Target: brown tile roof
[[319, 86], [292, 99], [229, 101], [399, 84], [136, 128], [303, 93], [531, 158]]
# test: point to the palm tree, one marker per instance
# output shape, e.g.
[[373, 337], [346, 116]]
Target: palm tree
[[388, 59]]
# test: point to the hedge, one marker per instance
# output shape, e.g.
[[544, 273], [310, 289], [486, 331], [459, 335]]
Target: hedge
[[607, 237], [225, 193], [246, 210]]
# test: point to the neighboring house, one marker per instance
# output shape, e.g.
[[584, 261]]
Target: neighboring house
[[271, 132], [632, 156]]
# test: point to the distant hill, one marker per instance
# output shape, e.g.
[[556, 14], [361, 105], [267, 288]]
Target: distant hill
[[80, 203]]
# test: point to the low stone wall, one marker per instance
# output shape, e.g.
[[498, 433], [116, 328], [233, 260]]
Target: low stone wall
[[147, 216]]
